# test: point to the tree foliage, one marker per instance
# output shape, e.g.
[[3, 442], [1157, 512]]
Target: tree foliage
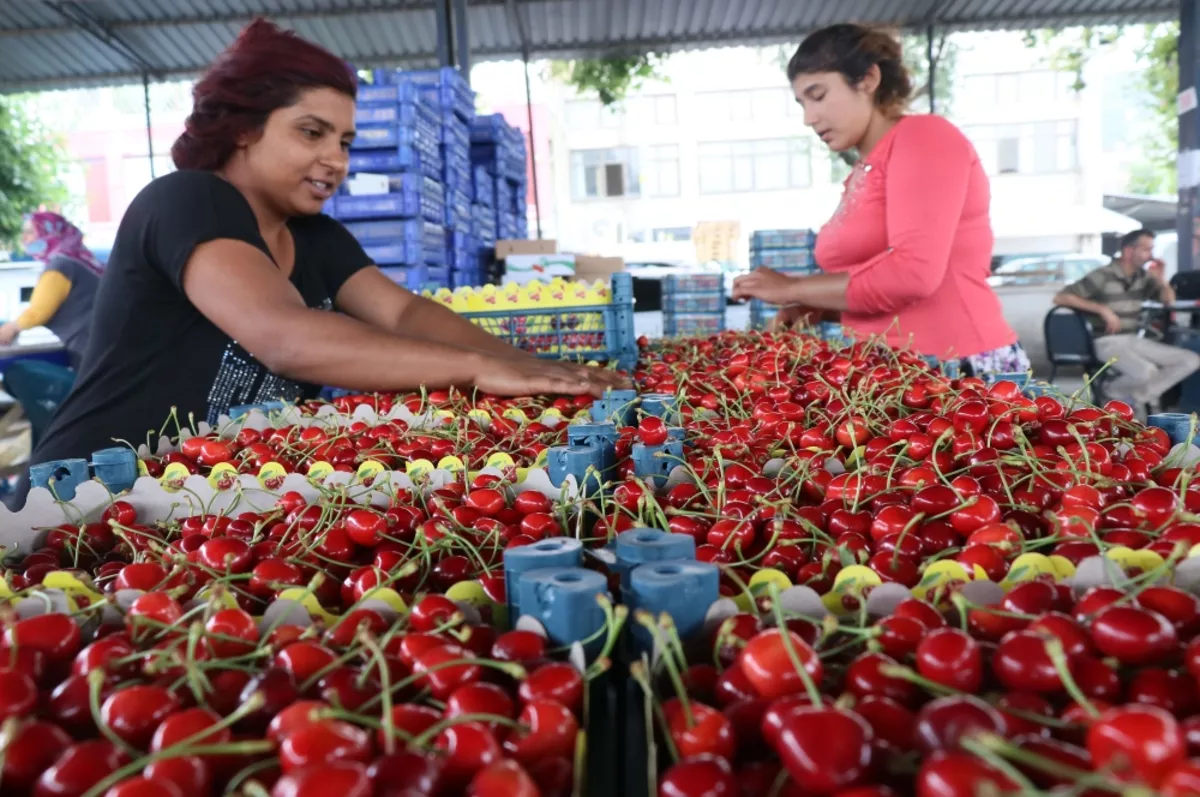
[[610, 79], [1158, 57], [30, 162]]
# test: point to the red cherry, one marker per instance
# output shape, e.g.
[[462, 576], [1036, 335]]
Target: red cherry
[[30, 752], [652, 431], [18, 694], [767, 663], [469, 747], [341, 778], [1142, 743], [54, 635], [134, 712], [480, 698], [324, 742], [824, 749], [142, 786], [365, 527], [304, 660], [703, 775], [558, 681], [957, 774], [503, 779], [548, 729], [232, 632], [79, 768], [949, 657], [942, 723], [1133, 635], [444, 669]]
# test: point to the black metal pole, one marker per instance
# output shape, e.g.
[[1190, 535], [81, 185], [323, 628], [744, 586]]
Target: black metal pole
[[932, 61], [462, 46], [537, 205], [445, 34], [149, 129]]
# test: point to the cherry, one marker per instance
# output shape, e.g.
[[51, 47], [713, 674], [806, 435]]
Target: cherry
[[955, 774], [824, 749], [134, 712], [943, 722], [1184, 781], [18, 694], [709, 776], [31, 750], [523, 647], [864, 677], [79, 768], [558, 681], [191, 774], [439, 672], [304, 660], [408, 772], [949, 657], [503, 779], [480, 698], [1022, 663], [278, 689], [1134, 742], [548, 729], [142, 786], [469, 747], [1133, 635], [767, 663], [1181, 608], [342, 778], [322, 743], [233, 633], [56, 636]]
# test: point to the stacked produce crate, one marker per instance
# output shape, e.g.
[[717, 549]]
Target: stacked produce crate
[[414, 129], [498, 155], [693, 304], [788, 251]]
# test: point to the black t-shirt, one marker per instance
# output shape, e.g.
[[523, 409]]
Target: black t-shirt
[[151, 349]]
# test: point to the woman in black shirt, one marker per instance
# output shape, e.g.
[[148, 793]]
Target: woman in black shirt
[[223, 274]]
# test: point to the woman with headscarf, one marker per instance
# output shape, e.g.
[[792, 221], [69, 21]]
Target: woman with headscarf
[[62, 299]]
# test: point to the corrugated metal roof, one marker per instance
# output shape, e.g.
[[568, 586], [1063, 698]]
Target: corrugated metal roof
[[47, 44]]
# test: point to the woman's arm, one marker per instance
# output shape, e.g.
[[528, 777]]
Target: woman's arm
[[238, 288], [373, 298], [48, 295]]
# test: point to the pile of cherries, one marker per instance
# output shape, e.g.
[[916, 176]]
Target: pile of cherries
[[800, 458]]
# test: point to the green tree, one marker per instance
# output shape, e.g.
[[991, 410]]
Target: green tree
[[916, 58], [610, 79], [30, 162], [1158, 58]]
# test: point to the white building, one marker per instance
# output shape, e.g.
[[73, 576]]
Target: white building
[[722, 139]]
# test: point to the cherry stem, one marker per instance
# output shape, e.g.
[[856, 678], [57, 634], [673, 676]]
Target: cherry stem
[[908, 674], [785, 636], [179, 751], [95, 681], [1058, 657], [653, 710], [385, 677], [646, 620], [998, 745]]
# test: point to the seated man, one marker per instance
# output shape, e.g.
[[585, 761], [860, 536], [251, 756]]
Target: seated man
[[1112, 296]]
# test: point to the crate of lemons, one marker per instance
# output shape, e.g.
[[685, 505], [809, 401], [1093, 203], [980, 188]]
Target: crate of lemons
[[551, 317]]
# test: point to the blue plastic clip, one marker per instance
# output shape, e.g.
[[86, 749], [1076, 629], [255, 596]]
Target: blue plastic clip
[[661, 405], [1177, 425], [60, 476], [115, 467], [684, 590], [601, 436], [617, 406], [1018, 378], [556, 552], [654, 463], [577, 461], [637, 547], [563, 600]]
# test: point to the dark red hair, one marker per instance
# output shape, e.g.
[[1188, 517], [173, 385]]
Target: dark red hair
[[265, 69]]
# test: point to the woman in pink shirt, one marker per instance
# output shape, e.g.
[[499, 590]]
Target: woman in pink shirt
[[908, 252]]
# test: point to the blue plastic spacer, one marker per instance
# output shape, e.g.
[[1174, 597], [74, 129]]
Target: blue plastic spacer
[[564, 461], [1020, 379], [601, 436], [951, 369], [637, 547], [660, 405], [676, 433], [115, 467], [1177, 425], [563, 600], [617, 406], [556, 552], [60, 476], [1037, 389], [684, 590], [654, 463]]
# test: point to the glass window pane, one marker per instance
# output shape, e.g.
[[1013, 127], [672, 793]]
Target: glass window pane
[[716, 174], [743, 174], [665, 110], [771, 172], [768, 104], [668, 179], [1008, 89], [591, 186]]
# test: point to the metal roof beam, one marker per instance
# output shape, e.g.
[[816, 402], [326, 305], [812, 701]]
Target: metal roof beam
[[92, 25]]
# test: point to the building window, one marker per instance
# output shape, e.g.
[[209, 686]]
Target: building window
[[1031, 148], [765, 165], [748, 105], [604, 173], [660, 177], [659, 109]]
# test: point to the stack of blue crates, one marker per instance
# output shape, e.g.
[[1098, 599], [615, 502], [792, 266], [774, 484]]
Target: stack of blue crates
[[789, 251], [415, 127], [498, 174], [693, 304]]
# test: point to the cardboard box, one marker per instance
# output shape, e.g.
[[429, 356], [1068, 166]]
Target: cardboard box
[[526, 261], [508, 248]]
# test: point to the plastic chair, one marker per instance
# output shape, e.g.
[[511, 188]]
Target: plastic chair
[[1069, 342], [40, 388]]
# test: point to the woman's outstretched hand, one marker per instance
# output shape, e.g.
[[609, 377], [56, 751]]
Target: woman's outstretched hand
[[530, 377], [765, 284]]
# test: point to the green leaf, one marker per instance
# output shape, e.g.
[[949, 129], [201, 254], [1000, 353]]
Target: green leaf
[[31, 162]]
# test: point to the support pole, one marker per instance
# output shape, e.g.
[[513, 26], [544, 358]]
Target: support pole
[[149, 128], [931, 58], [445, 33], [462, 44], [1189, 133], [537, 204]]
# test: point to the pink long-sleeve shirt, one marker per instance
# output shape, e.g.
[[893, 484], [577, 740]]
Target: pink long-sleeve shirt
[[914, 234]]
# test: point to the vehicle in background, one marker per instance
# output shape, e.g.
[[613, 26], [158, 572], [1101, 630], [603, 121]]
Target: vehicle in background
[[1053, 270]]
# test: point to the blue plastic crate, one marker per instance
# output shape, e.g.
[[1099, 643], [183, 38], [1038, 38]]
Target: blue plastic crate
[[457, 163], [491, 128], [456, 133], [412, 196], [401, 159], [411, 277], [462, 250], [401, 242], [485, 185], [782, 239], [424, 137], [600, 332], [693, 324], [690, 303], [693, 283], [466, 278], [437, 278], [505, 202], [458, 211], [385, 93], [791, 259], [405, 114], [507, 227], [445, 87]]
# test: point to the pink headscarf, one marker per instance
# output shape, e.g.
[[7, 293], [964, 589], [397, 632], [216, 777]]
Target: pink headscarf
[[62, 238]]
